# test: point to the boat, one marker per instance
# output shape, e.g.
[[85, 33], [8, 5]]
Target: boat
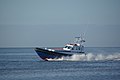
[[70, 49]]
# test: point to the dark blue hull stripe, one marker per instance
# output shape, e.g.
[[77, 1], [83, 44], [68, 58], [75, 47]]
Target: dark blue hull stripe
[[44, 54]]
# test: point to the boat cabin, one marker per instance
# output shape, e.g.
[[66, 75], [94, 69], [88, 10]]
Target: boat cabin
[[74, 47]]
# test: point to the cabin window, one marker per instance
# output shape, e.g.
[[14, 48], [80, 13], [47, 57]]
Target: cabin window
[[72, 48], [68, 47], [76, 48], [79, 48]]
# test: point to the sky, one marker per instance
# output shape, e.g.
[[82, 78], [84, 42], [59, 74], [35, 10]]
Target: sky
[[49, 23]]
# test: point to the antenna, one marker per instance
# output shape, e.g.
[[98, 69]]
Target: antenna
[[82, 39], [79, 40]]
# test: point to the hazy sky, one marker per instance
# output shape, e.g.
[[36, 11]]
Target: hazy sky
[[28, 23]]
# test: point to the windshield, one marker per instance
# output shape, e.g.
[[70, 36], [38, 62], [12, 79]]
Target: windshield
[[69, 47]]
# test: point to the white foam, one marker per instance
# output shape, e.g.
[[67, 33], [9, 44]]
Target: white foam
[[89, 57]]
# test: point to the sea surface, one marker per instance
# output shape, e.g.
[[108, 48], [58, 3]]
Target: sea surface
[[101, 63]]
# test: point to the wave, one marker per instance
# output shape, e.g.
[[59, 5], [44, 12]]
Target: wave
[[89, 57]]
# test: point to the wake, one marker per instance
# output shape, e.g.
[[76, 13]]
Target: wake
[[89, 57]]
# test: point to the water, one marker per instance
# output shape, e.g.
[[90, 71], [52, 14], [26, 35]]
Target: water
[[24, 64]]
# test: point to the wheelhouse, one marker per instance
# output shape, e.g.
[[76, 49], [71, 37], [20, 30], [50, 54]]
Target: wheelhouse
[[72, 47], [77, 46]]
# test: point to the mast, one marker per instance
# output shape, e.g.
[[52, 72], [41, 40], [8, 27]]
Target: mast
[[77, 39], [80, 40]]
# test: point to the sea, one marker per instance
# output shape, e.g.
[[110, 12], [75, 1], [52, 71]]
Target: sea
[[99, 63]]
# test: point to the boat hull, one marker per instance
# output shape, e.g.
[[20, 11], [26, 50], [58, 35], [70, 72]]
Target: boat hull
[[46, 54]]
